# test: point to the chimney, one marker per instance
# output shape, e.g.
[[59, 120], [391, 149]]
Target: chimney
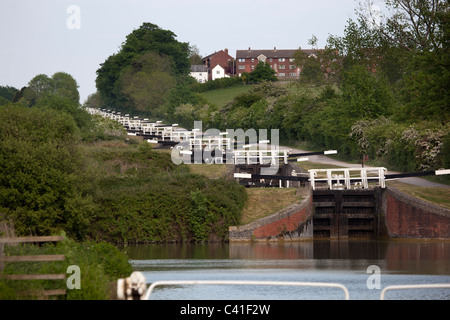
[[249, 49], [274, 48], [226, 50]]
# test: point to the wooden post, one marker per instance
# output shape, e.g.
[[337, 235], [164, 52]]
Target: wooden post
[[2, 253]]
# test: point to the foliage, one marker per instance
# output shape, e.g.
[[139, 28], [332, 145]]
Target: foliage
[[147, 82], [61, 84], [100, 265], [7, 94], [40, 164], [146, 198], [217, 84], [138, 60], [262, 72], [379, 90]]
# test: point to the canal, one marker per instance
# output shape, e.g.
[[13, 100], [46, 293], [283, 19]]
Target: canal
[[364, 267]]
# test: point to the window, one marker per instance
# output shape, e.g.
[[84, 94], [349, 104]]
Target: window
[[253, 59], [281, 67], [281, 59], [241, 60], [282, 74], [242, 67], [292, 59], [292, 67], [253, 67], [218, 72], [293, 74]]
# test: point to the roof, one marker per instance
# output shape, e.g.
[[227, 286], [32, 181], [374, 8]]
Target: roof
[[223, 52], [199, 68], [275, 53]]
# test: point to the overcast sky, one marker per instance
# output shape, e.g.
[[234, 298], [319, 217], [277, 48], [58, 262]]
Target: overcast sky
[[75, 36]]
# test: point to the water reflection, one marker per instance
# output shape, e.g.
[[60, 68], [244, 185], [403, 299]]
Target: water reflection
[[345, 262], [421, 257]]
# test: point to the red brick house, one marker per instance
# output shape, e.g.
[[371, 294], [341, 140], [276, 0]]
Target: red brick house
[[282, 61], [221, 58]]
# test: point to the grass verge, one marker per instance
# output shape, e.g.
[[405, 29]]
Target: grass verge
[[262, 202], [437, 196]]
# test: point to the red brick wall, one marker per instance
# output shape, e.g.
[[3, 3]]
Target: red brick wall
[[289, 223], [221, 58], [406, 217], [250, 66]]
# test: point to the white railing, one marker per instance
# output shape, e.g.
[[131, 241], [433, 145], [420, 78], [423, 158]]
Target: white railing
[[414, 286], [261, 156], [211, 143], [244, 283], [348, 178]]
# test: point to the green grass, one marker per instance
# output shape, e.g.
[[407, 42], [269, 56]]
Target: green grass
[[212, 171], [220, 97], [437, 196], [263, 202]]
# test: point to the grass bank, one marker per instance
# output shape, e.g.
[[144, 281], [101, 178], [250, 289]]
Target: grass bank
[[263, 202], [220, 97], [436, 196]]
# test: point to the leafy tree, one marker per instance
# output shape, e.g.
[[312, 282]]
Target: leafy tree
[[316, 67], [25, 96], [66, 86], [194, 56], [147, 82], [263, 72], [40, 172], [42, 85], [413, 24], [366, 95], [148, 38], [312, 71], [7, 93], [417, 35]]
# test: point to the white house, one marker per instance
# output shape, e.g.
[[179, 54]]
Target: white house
[[200, 73], [218, 73]]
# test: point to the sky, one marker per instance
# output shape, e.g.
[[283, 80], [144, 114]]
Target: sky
[[76, 36]]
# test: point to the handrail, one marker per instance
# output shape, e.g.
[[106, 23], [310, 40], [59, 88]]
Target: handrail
[[233, 282], [414, 286]]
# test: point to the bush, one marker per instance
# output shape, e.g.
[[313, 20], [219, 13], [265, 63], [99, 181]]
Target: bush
[[101, 265], [41, 172]]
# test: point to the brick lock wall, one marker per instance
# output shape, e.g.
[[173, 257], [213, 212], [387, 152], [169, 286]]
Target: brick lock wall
[[290, 223], [407, 217]]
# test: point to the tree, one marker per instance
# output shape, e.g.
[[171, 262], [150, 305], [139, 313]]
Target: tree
[[148, 38], [194, 56], [8, 92], [66, 86], [147, 82], [42, 85], [263, 72], [413, 24], [366, 95], [40, 170], [419, 29], [317, 66]]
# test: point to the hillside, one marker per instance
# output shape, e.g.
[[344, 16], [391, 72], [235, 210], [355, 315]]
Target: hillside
[[220, 97]]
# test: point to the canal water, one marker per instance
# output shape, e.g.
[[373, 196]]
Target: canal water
[[363, 267]]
